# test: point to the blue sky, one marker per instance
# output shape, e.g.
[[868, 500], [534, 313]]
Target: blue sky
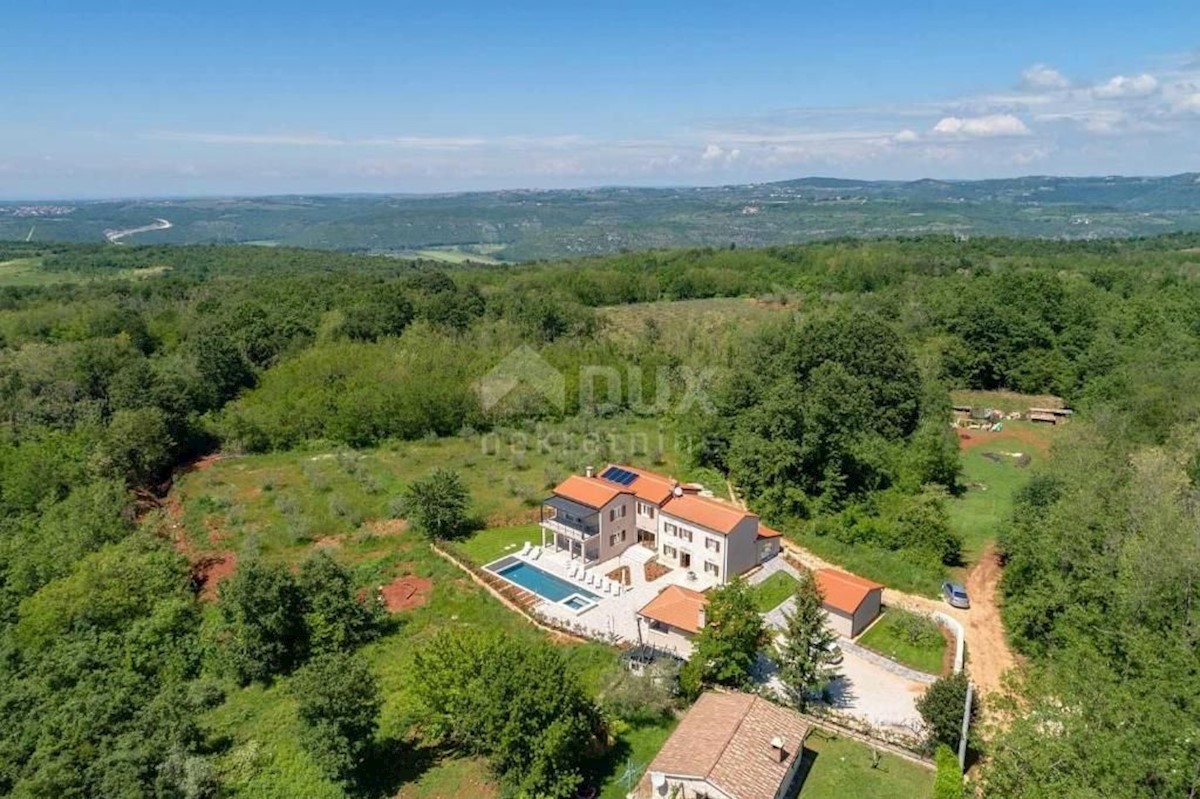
[[110, 99]]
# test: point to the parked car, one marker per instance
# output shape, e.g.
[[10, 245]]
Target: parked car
[[835, 653], [956, 595]]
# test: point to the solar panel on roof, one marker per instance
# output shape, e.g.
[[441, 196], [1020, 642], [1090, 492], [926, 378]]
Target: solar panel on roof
[[615, 474]]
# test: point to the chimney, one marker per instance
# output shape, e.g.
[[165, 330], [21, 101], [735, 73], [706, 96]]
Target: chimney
[[777, 749], [703, 614], [590, 471]]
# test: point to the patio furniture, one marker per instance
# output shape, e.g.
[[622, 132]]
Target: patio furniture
[[535, 553], [528, 546]]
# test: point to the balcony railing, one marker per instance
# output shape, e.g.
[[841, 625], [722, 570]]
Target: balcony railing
[[576, 531]]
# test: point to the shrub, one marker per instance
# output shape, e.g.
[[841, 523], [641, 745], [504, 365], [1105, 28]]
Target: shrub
[[948, 784]]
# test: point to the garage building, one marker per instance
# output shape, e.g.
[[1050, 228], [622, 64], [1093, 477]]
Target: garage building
[[851, 602]]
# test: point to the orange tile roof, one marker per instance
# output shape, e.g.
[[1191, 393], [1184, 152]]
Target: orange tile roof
[[590, 491], [707, 512], [649, 486], [726, 740], [677, 606], [767, 532], [844, 592]]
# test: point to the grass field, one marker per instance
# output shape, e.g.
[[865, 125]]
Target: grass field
[[909, 639], [281, 506], [29, 272], [841, 767], [774, 590], [992, 472]]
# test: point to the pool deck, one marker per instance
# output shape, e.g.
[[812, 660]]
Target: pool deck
[[615, 618]]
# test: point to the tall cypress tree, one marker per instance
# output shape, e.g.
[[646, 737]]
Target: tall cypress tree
[[804, 654]]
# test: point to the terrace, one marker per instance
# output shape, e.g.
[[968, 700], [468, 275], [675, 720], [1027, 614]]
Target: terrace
[[611, 616]]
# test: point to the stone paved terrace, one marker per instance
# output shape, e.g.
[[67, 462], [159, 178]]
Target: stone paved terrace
[[615, 617]]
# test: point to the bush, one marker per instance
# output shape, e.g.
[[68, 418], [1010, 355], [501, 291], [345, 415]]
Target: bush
[[948, 784], [942, 709]]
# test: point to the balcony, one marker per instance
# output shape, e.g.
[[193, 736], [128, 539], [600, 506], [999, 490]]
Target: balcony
[[570, 519]]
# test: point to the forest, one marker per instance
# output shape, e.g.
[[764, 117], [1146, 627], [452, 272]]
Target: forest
[[820, 376]]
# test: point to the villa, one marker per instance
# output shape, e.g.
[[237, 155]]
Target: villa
[[597, 517]]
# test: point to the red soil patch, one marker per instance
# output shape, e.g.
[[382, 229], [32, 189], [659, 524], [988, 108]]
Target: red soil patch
[[209, 570], [406, 593], [970, 439]]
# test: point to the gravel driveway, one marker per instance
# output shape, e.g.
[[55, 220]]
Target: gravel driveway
[[877, 695]]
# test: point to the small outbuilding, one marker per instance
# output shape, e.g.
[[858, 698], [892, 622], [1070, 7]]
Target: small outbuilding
[[676, 610], [851, 602]]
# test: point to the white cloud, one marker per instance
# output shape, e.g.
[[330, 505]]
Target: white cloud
[[1122, 86], [714, 154], [1187, 104], [905, 136], [984, 127], [268, 139], [1040, 76]]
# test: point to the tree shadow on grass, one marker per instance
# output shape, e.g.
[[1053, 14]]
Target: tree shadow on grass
[[391, 764]]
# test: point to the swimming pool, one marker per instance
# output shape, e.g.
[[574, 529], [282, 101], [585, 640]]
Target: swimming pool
[[548, 586]]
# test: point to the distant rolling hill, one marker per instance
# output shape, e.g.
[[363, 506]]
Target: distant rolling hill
[[526, 225]]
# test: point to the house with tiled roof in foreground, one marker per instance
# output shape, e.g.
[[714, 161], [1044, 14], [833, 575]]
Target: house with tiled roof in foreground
[[730, 745], [596, 517]]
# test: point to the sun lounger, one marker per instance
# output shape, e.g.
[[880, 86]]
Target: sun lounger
[[535, 553], [528, 546]]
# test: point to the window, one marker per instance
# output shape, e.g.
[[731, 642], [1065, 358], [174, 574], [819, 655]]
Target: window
[[670, 529], [712, 568], [616, 513], [646, 509], [612, 540], [712, 545], [670, 552], [685, 534]]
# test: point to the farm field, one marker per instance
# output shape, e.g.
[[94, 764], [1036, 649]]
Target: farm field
[[29, 272], [841, 767]]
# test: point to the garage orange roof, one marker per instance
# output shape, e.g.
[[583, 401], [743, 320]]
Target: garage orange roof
[[714, 514], [767, 532], [590, 491], [844, 592], [677, 606]]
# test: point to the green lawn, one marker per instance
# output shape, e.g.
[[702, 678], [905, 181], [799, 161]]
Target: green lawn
[[841, 767], [487, 545], [772, 591], [992, 474], [627, 762], [907, 638]]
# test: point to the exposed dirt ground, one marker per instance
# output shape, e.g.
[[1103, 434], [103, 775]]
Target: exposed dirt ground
[[988, 651], [406, 593], [969, 439]]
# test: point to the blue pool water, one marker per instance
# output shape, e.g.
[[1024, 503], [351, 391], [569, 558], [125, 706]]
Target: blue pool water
[[542, 583]]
